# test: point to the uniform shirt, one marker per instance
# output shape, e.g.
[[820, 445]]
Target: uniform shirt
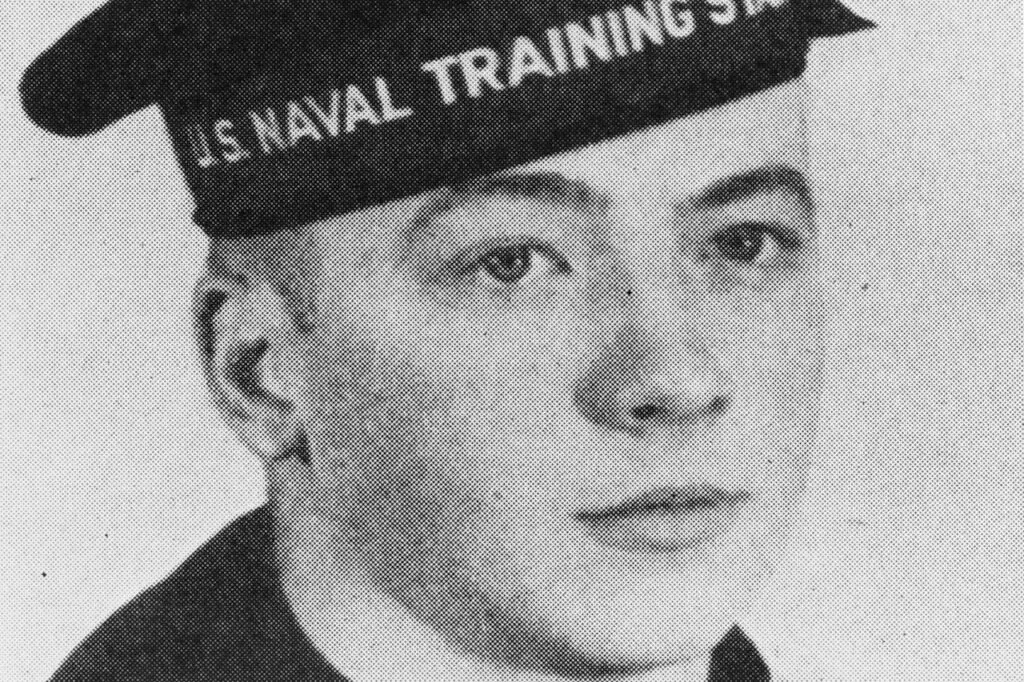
[[223, 617]]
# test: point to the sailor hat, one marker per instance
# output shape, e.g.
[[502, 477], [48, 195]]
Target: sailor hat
[[283, 112]]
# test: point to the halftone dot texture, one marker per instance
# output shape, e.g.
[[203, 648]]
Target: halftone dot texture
[[256, 105], [117, 465]]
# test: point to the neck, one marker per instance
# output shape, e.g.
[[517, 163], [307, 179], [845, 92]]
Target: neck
[[369, 637]]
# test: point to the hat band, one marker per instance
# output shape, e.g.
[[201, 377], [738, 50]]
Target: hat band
[[352, 143]]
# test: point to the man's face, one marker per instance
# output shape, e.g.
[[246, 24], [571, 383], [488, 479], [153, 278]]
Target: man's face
[[563, 414]]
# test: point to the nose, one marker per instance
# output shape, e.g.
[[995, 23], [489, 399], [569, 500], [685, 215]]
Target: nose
[[654, 376]]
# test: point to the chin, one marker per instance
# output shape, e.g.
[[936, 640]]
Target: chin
[[622, 653], [616, 642]]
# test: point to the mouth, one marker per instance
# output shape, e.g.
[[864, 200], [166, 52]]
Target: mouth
[[666, 519]]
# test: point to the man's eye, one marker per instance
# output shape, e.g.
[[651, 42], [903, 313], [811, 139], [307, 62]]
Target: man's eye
[[508, 265], [515, 263], [751, 243]]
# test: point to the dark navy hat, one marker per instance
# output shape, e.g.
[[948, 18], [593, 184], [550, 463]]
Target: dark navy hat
[[287, 111]]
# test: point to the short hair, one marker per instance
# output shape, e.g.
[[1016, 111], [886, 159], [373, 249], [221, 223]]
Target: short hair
[[285, 259]]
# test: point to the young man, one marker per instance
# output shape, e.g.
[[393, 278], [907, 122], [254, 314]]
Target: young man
[[519, 306]]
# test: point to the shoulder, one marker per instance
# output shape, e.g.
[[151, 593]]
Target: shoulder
[[219, 616]]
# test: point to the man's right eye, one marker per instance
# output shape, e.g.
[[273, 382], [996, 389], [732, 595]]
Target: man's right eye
[[508, 265], [752, 243], [517, 264]]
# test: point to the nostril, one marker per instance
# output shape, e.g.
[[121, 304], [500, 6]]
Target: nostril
[[647, 412], [719, 404], [670, 410]]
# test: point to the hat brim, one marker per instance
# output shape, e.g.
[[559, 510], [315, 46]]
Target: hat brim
[[109, 65]]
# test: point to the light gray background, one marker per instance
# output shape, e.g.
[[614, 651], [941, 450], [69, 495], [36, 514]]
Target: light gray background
[[909, 565]]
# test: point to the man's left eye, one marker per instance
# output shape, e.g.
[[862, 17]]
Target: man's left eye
[[753, 243]]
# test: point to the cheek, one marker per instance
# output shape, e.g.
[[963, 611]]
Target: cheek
[[387, 467], [434, 440], [429, 420], [774, 348], [375, 417]]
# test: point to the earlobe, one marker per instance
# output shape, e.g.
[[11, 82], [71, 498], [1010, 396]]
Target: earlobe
[[249, 349]]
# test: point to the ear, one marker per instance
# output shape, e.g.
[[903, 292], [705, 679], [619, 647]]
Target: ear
[[251, 354]]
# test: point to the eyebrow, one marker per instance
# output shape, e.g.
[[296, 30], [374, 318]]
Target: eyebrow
[[745, 185], [558, 190], [545, 187]]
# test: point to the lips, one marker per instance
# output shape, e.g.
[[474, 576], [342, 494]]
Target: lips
[[665, 519]]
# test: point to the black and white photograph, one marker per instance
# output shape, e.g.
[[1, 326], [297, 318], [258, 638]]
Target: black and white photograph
[[491, 341]]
